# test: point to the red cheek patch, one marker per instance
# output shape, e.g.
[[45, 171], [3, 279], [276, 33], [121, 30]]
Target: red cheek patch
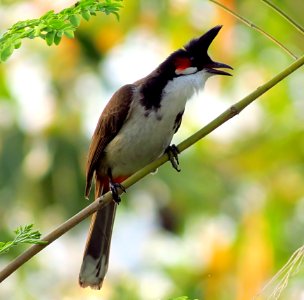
[[182, 63]]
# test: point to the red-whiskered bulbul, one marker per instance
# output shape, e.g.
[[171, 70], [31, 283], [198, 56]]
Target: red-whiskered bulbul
[[135, 128]]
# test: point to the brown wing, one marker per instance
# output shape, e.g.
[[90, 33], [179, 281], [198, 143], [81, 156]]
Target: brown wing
[[109, 123]]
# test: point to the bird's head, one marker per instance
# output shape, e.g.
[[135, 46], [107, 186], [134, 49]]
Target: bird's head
[[194, 57]]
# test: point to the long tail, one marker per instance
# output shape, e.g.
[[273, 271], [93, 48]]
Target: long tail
[[96, 255]]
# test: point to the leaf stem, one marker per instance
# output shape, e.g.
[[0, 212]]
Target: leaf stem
[[252, 25], [285, 16]]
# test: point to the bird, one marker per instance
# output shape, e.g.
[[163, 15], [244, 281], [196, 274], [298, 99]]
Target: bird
[[135, 128]]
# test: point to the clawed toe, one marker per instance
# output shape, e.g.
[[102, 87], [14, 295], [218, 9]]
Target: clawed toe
[[173, 152]]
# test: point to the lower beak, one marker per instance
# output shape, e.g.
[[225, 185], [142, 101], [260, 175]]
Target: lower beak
[[213, 66]]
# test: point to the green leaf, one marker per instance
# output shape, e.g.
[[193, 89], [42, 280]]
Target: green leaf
[[58, 37], [17, 44], [116, 15], [7, 52], [60, 33], [57, 24], [75, 20], [69, 34], [49, 38], [52, 26], [30, 33], [47, 29], [86, 15], [47, 15], [24, 235]]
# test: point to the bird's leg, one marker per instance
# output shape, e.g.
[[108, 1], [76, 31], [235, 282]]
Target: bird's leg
[[173, 152], [114, 186]]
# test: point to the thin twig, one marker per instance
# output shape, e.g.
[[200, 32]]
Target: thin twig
[[104, 200], [250, 24], [285, 16], [280, 280]]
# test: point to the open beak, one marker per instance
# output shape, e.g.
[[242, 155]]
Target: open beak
[[213, 66]]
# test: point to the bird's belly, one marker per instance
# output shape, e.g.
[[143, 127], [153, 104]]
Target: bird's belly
[[137, 144]]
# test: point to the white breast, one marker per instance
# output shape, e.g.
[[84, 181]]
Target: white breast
[[146, 135]]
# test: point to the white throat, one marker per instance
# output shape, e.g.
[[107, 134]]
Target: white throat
[[182, 88]]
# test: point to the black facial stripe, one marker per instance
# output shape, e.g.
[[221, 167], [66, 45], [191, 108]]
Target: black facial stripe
[[152, 91]]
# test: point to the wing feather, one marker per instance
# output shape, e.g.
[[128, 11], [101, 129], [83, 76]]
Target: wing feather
[[109, 124]]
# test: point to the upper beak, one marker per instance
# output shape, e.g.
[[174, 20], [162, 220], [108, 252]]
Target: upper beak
[[213, 66]]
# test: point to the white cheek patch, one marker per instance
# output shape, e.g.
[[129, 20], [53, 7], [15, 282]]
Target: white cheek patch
[[186, 71]]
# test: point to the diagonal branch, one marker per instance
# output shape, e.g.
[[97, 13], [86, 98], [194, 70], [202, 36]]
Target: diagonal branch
[[107, 198], [285, 16], [252, 25]]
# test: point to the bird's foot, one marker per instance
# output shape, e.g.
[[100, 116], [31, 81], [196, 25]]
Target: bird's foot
[[173, 152], [114, 186]]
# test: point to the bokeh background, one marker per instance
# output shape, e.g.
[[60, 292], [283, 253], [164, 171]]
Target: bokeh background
[[222, 227]]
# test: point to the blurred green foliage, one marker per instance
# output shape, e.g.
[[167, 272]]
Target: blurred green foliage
[[224, 225], [53, 26]]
